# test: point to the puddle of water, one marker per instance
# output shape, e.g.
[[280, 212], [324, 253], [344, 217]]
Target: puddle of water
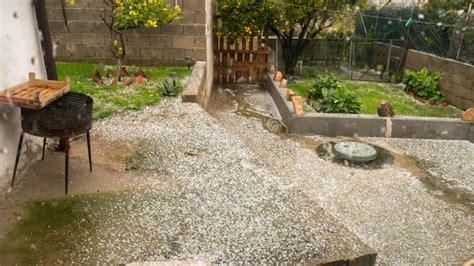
[[238, 96]]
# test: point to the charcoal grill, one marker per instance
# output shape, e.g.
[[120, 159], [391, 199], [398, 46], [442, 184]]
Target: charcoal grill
[[65, 118]]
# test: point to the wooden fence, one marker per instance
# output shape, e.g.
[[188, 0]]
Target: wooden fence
[[244, 62]]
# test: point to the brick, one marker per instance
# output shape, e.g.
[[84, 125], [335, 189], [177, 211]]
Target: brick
[[96, 4], [137, 61], [184, 42], [161, 41], [72, 14], [468, 115], [278, 76], [52, 3], [173, 53], [172, 29], [151, 53], [194, 30], [298, 105], [151, 31], [196, 54], [290, 94], [194, 5], [93, 39]]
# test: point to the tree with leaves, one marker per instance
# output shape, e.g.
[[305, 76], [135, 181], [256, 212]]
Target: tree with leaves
[[121, 15], [294, 22]]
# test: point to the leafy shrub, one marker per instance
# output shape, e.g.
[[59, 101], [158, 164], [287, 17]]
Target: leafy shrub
[[424, 84], [170, 89], [332, 96]]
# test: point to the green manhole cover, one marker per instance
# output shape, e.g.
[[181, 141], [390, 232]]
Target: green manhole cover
[[355, 151]]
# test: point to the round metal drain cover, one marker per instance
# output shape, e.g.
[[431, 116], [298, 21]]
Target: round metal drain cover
[[355, 151]]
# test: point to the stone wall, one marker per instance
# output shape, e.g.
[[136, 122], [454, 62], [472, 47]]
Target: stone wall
[[88, 38]]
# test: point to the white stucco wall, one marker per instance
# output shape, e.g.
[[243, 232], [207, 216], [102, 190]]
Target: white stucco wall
[[20, 53]]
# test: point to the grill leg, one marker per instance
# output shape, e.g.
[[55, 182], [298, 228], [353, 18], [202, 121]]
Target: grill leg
[[18, 152], [44, 146], [66, 171], [89, 149]]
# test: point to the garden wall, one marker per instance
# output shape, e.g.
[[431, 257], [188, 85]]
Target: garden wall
[[351, 125], [457, 82], [88, 38]]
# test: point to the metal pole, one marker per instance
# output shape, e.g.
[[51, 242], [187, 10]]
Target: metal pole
[[350, 56], [389, 56]]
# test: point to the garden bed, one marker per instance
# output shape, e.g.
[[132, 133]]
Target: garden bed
[[109, 99], [370, 93]]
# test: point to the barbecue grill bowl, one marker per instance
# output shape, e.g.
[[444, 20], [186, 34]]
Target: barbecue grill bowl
[[67, 117]]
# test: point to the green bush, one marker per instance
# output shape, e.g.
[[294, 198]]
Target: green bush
[[424, 84], [332, 96]]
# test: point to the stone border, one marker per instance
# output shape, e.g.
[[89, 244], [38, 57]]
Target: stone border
[[368, 125], [196, 90]]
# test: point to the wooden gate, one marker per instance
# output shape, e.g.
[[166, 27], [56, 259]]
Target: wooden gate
[[245, 62]]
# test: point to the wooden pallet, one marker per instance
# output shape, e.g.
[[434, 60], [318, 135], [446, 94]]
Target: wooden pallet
[[35, 93]]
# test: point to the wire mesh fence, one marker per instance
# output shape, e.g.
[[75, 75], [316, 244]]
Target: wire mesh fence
[[374, 51]]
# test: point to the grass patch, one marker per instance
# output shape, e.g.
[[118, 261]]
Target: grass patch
[[109, 100], [370, 93]]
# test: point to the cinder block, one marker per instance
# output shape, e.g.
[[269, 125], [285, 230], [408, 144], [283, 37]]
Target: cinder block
[[161, 41], [56, 26], [196, 54], [184, 42], [103, 51], [200, 18], [151, 52], [140, 40], [80, 26], [172, 29], [90, 14], [91, 39], [194, 30], [99, 27], [194, 5], [84, 51], [187, 17], [173, 53]]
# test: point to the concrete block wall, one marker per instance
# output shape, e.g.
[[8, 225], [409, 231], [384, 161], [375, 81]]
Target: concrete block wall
[[457, 82], [88, 39]]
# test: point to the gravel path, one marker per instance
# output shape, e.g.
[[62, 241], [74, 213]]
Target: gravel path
[[219, 203], [393, 209]]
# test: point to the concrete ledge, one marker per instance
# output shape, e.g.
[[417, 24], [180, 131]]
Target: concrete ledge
[[195, 90], [369, 125]]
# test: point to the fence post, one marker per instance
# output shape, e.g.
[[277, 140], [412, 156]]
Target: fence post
[[350, 56], [389, 56], [462, 36]]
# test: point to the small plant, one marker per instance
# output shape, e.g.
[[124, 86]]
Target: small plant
[[332, 96], [170, 89], [424, 84]]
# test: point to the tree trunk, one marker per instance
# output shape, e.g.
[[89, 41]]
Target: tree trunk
[[291, 53]]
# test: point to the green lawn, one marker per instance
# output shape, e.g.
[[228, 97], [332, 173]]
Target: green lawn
[[109, 99], [370, 93]]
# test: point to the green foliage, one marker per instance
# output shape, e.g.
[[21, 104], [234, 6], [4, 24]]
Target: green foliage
[[148, 13], [371, 93], [424, 84], [170, 89], [332, 96], [242, 18]]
